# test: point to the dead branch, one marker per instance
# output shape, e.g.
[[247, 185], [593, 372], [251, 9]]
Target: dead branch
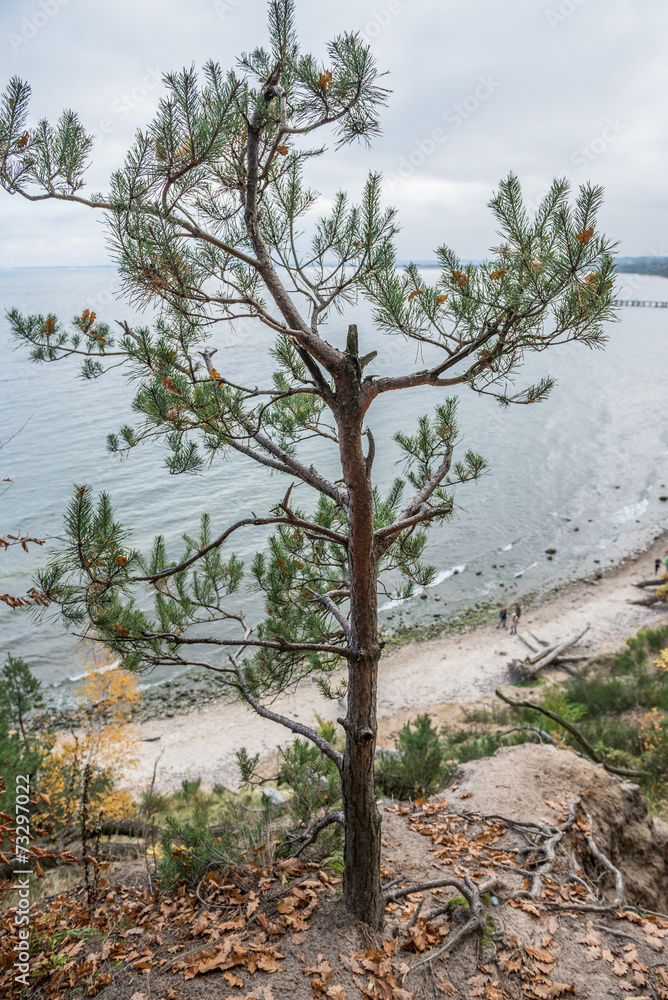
[[541, 642], [527, 643], [546, 656], [625, 772], [311, 835]]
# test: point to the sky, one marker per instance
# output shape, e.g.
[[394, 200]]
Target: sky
[[543, 88]]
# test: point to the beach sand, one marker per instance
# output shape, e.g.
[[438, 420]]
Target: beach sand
[[439, 676]]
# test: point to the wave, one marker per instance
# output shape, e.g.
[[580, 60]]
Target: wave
[[630, 512], [104, 669], [440, 577]]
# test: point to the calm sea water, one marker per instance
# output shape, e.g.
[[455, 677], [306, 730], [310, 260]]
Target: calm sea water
[[582, 472]]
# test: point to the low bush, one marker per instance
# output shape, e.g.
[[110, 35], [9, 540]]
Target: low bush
[[415, 768]]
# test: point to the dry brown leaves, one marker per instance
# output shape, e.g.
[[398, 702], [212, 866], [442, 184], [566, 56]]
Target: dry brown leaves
[[377, 973], [248, 910]]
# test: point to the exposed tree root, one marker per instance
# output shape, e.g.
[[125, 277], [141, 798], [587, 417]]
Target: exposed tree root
[[471, 892], [549, 850]]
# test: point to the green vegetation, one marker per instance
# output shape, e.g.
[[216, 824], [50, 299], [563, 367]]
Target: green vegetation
[[21, 752], [621, 709], [207, 220], [416, 767]]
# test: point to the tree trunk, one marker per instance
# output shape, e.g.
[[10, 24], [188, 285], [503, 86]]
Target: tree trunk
[[362, 891]]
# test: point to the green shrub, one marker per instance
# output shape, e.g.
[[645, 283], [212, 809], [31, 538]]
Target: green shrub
[[189, 849], [416, 769], [602, 694], [21, 751], [313, 780]]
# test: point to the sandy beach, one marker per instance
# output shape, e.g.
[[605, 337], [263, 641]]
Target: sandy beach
[[439, 677]]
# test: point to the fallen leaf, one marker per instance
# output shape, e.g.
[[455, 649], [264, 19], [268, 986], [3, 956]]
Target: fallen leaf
[[336, 992], [520, 904], [654, 942], [591, 938]]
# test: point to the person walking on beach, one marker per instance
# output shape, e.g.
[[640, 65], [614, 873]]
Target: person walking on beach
[[513, 623], [518, 611], [503, 615], [657, 566]]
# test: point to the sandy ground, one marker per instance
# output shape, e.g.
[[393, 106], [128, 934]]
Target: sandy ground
[[437, 676]]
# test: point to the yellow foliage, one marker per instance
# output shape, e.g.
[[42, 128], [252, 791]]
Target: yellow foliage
[[108, 742], [652, 731], [661, 662]]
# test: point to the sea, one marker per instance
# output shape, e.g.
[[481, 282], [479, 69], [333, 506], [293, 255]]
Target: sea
[[584, 472]]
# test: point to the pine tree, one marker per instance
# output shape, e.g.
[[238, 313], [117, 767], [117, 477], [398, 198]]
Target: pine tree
[[206, 218]]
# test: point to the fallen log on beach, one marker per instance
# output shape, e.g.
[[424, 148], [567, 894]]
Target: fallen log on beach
[[551, 654]]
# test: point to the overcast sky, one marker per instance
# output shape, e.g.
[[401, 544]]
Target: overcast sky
[[540, 87]]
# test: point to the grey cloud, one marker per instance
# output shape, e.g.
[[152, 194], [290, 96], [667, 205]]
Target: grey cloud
[[562, 71]]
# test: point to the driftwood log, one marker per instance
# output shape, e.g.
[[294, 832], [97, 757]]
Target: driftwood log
[[548, 654]]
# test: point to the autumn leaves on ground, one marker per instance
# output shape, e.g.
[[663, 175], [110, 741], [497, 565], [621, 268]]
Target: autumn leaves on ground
[[542, 874], [271, 927]]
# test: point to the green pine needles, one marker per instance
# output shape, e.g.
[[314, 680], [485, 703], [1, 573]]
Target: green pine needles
[[207, 220]]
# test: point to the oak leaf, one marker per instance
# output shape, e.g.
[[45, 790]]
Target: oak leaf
[[539, 953], [586, 235]]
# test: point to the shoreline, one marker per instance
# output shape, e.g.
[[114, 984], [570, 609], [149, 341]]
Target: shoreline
[[437, 676], [182, 694]]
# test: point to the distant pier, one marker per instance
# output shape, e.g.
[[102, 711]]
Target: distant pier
[[647, 303]]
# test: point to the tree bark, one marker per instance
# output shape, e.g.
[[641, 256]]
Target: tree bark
[[362, 891]]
